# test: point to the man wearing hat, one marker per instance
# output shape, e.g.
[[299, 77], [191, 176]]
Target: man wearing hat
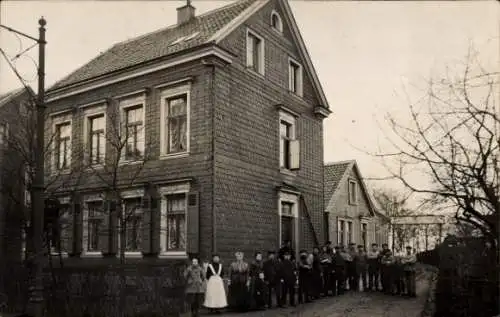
[[271, 269], [288, 277], [408, 261]]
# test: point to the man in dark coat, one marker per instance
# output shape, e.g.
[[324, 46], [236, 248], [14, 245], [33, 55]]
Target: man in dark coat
[[317, 271], [351, 268], [305, 275], [327, 267], [271, 271], [288, 278], [339, 272]]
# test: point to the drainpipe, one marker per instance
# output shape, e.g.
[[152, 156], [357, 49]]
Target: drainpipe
[[212, 104]]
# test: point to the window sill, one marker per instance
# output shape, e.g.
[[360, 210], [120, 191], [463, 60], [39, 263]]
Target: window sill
[[174, 155], [287, 172], [133, 255], [173, 255], [62, 254], [61, 172], [93, 254], [296, 95], [251, 70], [130, 162]]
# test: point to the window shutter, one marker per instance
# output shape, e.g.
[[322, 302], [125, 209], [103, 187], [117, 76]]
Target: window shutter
[[110, 238], [294, 154], [249, 51], [193, 222], [75, 248]]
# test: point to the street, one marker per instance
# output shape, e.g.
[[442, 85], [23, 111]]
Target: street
[[355, 304]]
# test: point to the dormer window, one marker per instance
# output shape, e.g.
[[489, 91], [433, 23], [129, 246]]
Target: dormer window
[[276, 22]]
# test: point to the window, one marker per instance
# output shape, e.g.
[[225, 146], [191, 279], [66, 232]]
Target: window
[[176, 222], [353, 195], [364, 234], [95, 226], [96, 139], [289, 151], [295, 78], [286, 222], [341, 232], [177, 124], [65, 228], [134, 132], [285, 137], [276, 22], [63, 145], [255, 52], [349, 232], [3, 133], [133, 216]]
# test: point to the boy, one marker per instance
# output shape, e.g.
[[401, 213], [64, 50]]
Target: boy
[[260, 292], [373, 267], [288, 279]]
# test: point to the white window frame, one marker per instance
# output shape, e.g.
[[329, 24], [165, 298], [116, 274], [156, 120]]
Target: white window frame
[[124, 195], [90, 199], [355, 200], [66, 200], [349, 235], [181, 188], [346, 234], [125, 104], [293, 199], [279, 27], [4, 133], [291, 120], [299, 77], [89, 113], [262, 53], [164, 139], [367, 242], [341, 230], [57, 121]]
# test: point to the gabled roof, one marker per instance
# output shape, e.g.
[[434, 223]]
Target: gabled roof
[[209, 28], [157, 44], [337, 173], [7, 97]]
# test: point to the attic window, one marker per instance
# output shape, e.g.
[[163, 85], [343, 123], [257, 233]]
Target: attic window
[[276, 22], [184, 38]]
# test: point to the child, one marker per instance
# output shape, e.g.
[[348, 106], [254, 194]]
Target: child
[[260, 291]]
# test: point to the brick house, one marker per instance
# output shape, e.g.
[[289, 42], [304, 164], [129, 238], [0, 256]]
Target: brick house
[[350, 214], [221, 119]]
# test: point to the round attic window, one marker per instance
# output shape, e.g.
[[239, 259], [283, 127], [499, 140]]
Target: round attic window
[[276, 22]]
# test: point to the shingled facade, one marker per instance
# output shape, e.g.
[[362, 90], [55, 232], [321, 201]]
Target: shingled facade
[[221, 119]]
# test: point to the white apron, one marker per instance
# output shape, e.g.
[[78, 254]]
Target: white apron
[[215, 295]]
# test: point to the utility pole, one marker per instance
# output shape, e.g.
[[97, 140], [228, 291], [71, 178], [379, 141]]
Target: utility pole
[[36, 298], [36, 294]]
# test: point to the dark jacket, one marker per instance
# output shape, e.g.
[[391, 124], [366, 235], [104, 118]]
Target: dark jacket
[[338, 260], [256, 268], [271, 268], [288, 271]]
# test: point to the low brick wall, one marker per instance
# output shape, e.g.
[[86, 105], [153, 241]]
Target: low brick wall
[[87, 288]]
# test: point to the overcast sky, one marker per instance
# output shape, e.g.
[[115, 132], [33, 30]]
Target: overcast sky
[[364, 52]]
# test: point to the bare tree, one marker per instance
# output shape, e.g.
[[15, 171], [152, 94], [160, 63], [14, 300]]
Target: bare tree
[[395, 204], [453, 138]]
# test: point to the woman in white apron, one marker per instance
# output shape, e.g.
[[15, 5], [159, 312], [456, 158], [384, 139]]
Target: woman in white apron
[[215, 296]]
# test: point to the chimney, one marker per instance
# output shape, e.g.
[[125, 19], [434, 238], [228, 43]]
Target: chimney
[[185, 13]]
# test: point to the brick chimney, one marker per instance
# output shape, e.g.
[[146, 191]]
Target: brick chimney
[[185, 13]]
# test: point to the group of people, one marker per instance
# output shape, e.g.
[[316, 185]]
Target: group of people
[[281, 279]]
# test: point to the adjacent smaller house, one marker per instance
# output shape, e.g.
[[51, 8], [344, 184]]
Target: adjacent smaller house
[[350, 214]]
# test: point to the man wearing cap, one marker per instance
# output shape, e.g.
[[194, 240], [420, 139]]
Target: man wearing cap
[[271, 270], [373, 267], [338, 284], [408, 261], [351, 267]]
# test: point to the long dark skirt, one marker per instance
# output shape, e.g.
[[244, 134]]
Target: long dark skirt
[[239, 296]]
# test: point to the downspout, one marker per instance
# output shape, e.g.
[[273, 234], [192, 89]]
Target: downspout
[[212, 104]]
